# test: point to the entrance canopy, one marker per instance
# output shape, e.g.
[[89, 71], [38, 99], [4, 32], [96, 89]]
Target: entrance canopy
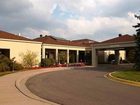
[[116, 44]]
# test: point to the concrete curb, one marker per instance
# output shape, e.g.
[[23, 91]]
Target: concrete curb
[[20, 85], [123, 81]]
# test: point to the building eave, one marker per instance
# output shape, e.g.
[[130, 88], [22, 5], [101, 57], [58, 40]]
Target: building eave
[[21, 41]]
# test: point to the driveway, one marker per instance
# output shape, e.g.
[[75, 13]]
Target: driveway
[[83, 86], [10, 95]]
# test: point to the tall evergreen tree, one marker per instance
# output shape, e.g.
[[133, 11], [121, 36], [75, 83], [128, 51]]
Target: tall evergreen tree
[[137, 38]]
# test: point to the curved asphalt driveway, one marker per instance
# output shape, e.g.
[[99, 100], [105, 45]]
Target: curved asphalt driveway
[[10, 95], [83, 87]]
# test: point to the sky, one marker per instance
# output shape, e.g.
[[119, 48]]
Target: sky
[[71, 19]]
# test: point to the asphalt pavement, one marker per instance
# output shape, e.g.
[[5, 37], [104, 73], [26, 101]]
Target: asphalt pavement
[[83, 86]]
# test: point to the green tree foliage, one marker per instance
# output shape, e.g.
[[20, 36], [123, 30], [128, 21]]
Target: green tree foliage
[[29, 59], [62, 57], [47, 62], [72, 58], [131, 55], [137, 37]]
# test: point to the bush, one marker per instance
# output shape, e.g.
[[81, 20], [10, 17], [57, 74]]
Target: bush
[[7, 64], [4, 63], [29, 59], [18, 66], [43, 63], [4, 67], [47, 62], [52, 61]]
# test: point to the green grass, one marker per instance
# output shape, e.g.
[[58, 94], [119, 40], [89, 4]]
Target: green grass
[[128, 75], [5, 73]]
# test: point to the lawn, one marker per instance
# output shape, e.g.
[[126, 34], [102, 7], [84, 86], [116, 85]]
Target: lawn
[[128, 75], [4, 73]]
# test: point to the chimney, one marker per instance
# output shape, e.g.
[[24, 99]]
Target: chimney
[[41, 35], [19, 34], [120, 35]]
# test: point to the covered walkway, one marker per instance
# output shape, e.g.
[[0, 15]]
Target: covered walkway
[[122, 42]]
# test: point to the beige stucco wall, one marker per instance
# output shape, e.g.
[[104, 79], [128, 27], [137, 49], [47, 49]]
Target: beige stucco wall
[[18, 47]]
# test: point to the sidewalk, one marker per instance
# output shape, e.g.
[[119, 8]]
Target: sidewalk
[[10, 95]]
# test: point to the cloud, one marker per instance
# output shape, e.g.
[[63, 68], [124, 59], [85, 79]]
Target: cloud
[[95, 19], [102, 26], [14, 6]]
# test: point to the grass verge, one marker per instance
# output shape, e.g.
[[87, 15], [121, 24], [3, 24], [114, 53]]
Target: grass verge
[[5, 73], [128, 75]]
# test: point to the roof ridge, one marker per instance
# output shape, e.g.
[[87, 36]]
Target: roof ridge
[[121, 38], [8, 35]]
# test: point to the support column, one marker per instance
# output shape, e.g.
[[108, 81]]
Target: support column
[[77, 56], [117, 54], [56, 55], [94, 57], [67, 56], [43, 52], [124, 54]]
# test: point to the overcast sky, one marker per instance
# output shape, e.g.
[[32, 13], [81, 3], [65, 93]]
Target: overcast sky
[[70, 19]]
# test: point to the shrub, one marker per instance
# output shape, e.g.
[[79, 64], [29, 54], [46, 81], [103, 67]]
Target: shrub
[[47, 62], [17, 66], [4, 63], [43, 63], [52, 61], [7, 64], [29, 59], [4, 67]]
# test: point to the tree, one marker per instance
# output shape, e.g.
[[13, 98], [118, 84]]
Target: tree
[[62, 57], [29, 59], [72, 58], [137, 38]]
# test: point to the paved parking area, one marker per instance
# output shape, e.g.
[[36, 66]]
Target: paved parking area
[[84, 86]]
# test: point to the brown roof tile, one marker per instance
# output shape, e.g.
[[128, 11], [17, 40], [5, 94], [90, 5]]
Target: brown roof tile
[[7, 35], [121, 38], [85, 41], [60, 41]]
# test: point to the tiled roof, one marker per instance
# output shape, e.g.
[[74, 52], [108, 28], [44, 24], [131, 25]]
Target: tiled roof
[[82, 40], [85, 41], [121, 38], [58, 38], [58, 41], [7, 35]]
